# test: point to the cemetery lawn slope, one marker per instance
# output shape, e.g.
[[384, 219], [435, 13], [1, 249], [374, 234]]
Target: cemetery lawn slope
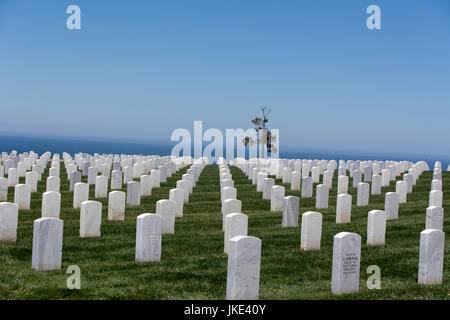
[[193, 265]]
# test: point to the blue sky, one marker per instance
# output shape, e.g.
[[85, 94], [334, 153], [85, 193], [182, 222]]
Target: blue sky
[[137, 70]]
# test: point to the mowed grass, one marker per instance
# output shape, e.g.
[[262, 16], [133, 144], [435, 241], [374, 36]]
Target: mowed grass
[[193, 264]]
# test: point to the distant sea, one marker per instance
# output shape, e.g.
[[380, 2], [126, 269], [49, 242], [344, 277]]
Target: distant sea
[[72, 146]]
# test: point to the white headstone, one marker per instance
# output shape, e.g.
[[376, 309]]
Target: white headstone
[[376, 228], [13, 177], [22, 196], [307, 187], [156, 178], [376, 184], [134, 193], [75, 177], [254, 175], [53, 184], [47, 244], [53, 172], [356, 178], [391, 205], [363, 194], [401, 187], [146, 185], [101, 187], [127, 174], [436, 185], [184, 185], [431, 256], [225, 176], [286, 175], [80, 194], [305, 170], [3, 189], [230, 206], [177, 196], [138, 170], [236, 224], [276, 198], [166, 210], [311, 231], [346, 263], [31, 179], [9, 215], [291, 207], [267, 187], [116, 205], [51, 204], [328, 178], [228, 193], [260, 181], [296, 180], [90, 219], [190, 178], [315, 173], [322, 193], [116, 180], [385, 177], [244, 262], [226, 183], [434, 218], [92, 174], [367, 174], [435, 198], [148, 237], [409, 178], [342, 185], [343, 208]]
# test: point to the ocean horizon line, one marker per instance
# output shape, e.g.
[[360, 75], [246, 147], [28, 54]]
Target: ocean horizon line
[[72, 145]]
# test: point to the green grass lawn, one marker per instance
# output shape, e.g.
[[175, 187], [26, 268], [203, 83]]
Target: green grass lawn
[[193, 264]]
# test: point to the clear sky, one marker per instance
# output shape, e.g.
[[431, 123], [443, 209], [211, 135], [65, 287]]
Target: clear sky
[[137, 70]]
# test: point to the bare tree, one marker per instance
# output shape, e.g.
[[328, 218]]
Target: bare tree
[[263, 135]]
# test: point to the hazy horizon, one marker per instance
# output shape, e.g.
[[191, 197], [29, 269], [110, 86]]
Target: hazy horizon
[[80, 144]]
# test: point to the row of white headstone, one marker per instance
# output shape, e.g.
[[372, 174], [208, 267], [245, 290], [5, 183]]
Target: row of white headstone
[[435, 210], [121, 169], [48, 230], [17, 166], [345, 265], [344, 200], [347, 256], [51, 199], [244, 252], [151, 226], [53, 182], [276, 166]]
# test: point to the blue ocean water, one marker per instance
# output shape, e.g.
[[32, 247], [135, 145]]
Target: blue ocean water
[[72, 146]]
